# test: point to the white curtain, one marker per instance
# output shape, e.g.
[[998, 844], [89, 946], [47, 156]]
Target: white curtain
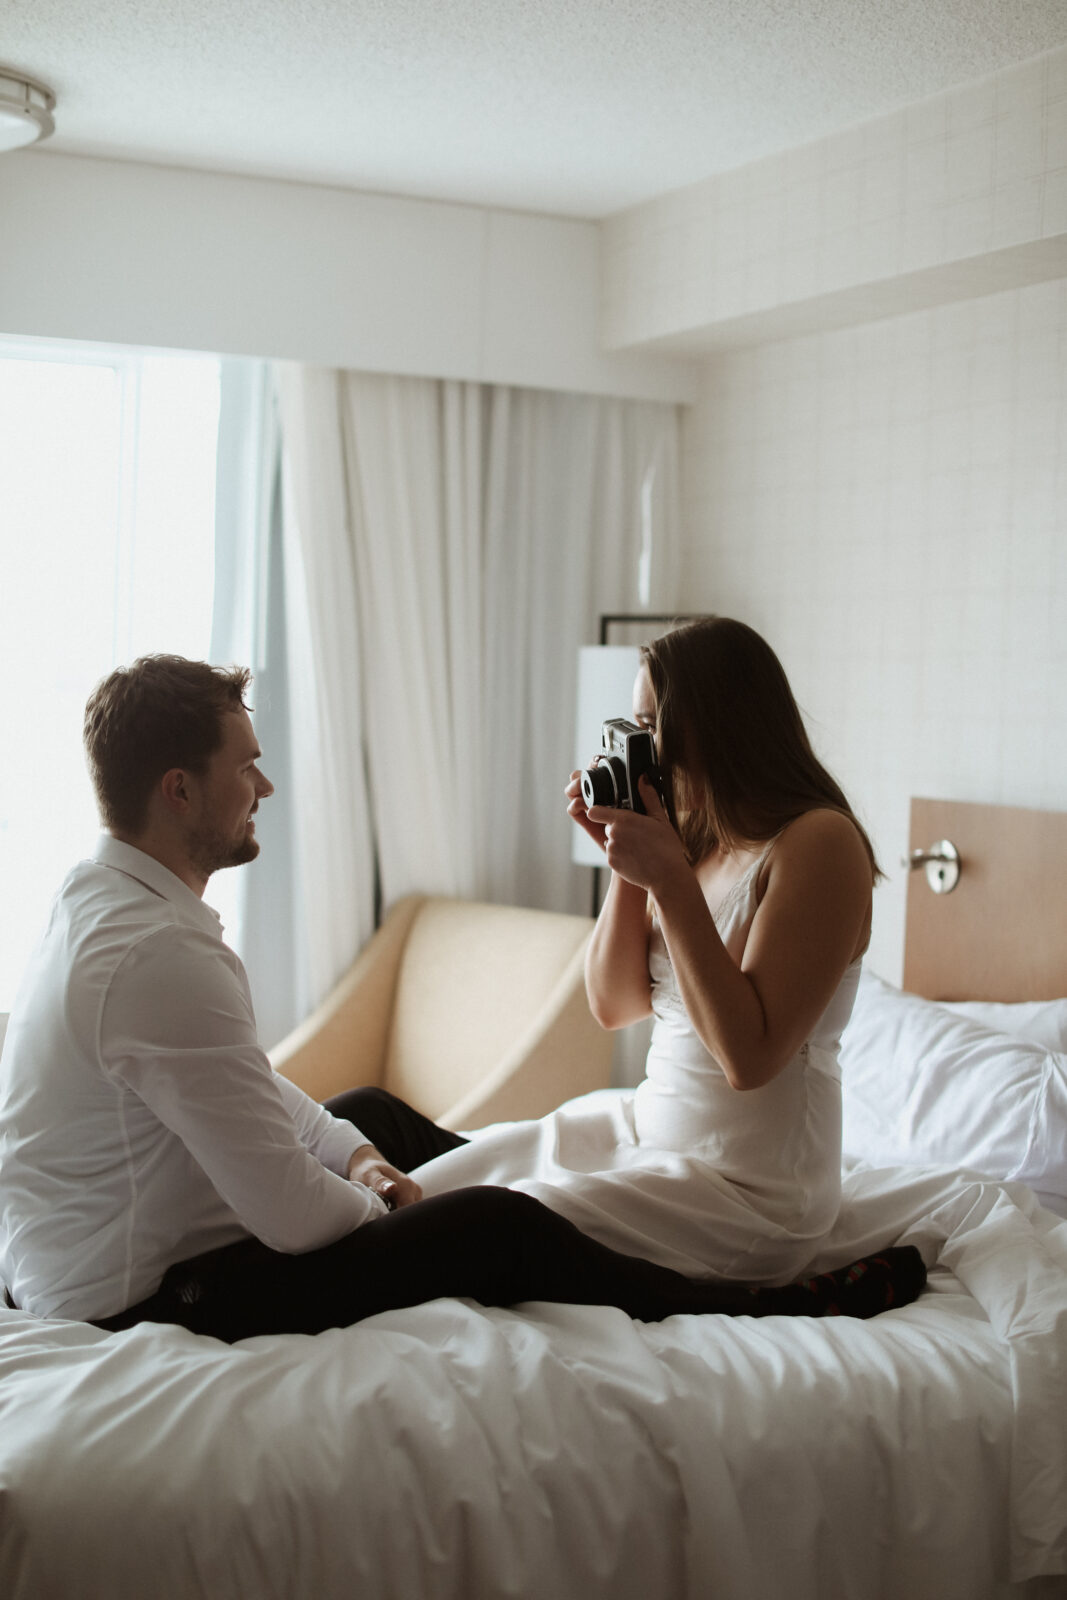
[[258, 908], [334, 864], [454, 544]]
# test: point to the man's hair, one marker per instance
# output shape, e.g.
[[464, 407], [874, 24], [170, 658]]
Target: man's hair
[[142, 720]]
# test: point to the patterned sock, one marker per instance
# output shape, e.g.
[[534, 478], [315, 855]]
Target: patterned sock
[[872, 1284], [875, 1283]]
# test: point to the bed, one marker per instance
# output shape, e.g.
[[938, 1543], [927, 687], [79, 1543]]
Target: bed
[[453, 1453]]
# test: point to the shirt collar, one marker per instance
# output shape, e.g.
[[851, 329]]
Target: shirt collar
[[112, 852]]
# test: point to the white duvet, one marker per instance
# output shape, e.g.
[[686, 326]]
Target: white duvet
[[556, 1452]]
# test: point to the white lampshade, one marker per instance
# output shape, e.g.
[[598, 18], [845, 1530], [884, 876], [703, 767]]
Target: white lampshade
[[25, 110], [606, 676]]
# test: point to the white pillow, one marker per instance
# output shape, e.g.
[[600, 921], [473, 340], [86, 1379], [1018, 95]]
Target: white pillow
[[925, 1086], [1042, 1022]]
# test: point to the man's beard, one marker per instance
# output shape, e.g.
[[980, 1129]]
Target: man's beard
[[210, 851]]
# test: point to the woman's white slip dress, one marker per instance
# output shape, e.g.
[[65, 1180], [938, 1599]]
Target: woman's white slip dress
[[685, 1170]]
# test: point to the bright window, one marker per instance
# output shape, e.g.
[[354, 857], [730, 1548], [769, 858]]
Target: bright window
[[107, 552]]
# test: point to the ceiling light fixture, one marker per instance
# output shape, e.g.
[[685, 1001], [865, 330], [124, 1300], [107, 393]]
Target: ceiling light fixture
[[25, 110]]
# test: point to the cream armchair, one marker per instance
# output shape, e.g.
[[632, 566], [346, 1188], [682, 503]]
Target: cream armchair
[[471, 1013]]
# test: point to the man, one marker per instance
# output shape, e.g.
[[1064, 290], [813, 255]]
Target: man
[[153, 1167]]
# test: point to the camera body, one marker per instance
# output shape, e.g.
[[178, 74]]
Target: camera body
[[629, 752]]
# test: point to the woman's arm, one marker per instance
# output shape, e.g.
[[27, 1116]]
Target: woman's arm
[[811, 922], [616, 962]]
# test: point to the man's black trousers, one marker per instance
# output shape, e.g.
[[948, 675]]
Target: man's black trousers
[[493, 1245]]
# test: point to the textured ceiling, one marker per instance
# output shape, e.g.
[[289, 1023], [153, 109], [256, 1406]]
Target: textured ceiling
[[579, 107]]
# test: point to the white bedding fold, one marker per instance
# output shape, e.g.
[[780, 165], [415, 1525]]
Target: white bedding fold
[[448, 1452]]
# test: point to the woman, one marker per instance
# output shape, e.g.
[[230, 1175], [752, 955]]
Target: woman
[[740, 926]]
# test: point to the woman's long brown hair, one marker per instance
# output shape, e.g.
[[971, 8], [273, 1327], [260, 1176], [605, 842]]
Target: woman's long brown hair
[[737, 762]]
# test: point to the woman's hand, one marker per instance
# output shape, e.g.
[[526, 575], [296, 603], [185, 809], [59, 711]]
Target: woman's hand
[[645, 850], [369, 1167], [576, 809]]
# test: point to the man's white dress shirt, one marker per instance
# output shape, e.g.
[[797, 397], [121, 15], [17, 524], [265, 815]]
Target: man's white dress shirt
[[140, 1121]]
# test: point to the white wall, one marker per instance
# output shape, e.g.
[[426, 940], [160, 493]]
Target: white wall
[[888, 505], [875, 474], [961, 194], [122, 252]]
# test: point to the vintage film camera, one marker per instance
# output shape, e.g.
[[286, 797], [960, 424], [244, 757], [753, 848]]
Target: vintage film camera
[[628, 753]]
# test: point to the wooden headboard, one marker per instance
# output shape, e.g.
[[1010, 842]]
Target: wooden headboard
[[1001, 934]]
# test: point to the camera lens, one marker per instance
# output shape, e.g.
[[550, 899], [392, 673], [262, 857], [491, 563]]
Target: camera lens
[[599, 787]]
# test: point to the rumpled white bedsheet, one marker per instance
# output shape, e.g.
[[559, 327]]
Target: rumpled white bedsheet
[[453, 1453]]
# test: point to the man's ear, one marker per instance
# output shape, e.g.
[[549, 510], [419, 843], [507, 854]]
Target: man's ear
[[174, 790]]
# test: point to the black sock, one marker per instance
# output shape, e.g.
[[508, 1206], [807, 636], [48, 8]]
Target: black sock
[[874, 1283]]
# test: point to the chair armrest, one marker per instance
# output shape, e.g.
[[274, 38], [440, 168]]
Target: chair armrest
[[564, 1053], [341, 1045]]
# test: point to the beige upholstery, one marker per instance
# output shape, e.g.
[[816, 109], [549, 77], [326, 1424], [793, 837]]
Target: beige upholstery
[[471, 1013]]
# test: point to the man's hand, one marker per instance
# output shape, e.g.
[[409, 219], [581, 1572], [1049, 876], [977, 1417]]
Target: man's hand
[[369, 1167]]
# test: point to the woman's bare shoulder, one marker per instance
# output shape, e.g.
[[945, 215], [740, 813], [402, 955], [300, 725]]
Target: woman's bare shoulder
[[821, 838], [821, 859]]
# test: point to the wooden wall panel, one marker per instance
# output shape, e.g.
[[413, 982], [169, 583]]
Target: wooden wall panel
[[1001, 934]]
